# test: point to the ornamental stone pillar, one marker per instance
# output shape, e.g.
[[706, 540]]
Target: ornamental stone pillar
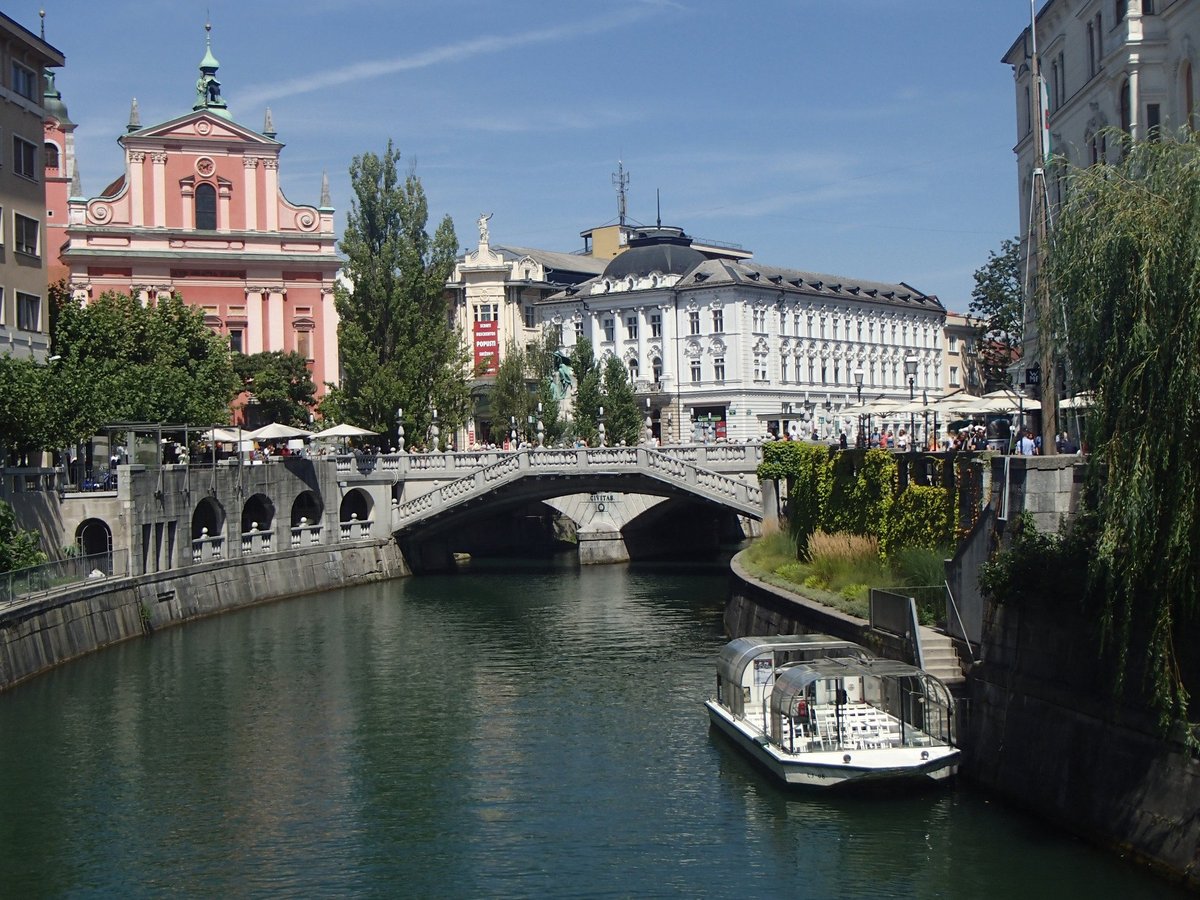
[[159, 180], [137, 191], [250, 191]]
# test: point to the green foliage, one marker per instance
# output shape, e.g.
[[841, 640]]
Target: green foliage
[[919, 566], [588, 396], [1038, 566], [622, 418], [28, 400], [281, 384], [997, 299], [125, 361], [861, 492], [807, 469], [19, 549], [398, 346], [919, 517], [1125, 266]]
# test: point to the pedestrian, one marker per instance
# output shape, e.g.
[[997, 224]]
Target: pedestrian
[[902, 441], [1026, 446], [842, 443]]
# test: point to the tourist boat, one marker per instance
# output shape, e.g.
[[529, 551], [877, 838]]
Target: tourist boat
[[820, 712]]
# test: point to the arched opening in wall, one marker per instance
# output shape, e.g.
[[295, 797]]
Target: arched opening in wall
[[51, 150], [258, 514], [656, 363], [307, 510], [356, 506], [1126, 106], [208, 519], [206, 207], [93, 537]]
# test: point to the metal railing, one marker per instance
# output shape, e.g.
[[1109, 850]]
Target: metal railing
[[21, 584]]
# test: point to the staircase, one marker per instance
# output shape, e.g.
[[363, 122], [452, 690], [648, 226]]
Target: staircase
[[940, 657]]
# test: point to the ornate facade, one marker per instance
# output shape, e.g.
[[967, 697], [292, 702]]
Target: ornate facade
[[199, 210], [720, 347]]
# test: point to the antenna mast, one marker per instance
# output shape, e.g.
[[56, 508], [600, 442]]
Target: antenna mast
[[620, 180]]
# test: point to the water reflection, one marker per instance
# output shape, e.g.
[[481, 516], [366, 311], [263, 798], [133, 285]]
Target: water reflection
[[535, 731]]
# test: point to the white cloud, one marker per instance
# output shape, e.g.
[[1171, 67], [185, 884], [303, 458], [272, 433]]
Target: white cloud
[[448, 53]]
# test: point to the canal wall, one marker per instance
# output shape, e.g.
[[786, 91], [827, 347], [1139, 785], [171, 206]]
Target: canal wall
[[37, 635], [1048, 737]]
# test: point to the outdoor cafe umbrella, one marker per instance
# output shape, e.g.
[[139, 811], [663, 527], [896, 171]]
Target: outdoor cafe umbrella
[[278, 432], [344, 431], [220, 435]]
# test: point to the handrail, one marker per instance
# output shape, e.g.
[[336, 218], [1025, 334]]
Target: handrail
[[914, 623], [957, 615]]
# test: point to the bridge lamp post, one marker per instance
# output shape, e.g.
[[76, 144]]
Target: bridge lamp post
[[400, 429], [600, 426], [512, 431], [433, 430], [649, 424], [541, 428], [859, 374], [910, 369]]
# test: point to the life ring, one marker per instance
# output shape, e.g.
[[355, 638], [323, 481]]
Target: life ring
[[801, 708]]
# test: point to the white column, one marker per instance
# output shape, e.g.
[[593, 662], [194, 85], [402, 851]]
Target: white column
[[137, 216], [254, 320], [160, 189], [272, 193], [250, 189], [275, 334], [328, 359]]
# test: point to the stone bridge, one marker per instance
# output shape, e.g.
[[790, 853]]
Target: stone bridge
[[605, 491]]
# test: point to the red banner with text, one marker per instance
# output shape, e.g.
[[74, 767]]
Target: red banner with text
[[487, 348]]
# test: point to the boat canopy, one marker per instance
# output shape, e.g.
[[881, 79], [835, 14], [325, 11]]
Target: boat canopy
[[741, 652], [792, 684]]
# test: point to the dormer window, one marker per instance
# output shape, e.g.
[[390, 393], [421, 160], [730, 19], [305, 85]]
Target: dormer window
[[206, 207]]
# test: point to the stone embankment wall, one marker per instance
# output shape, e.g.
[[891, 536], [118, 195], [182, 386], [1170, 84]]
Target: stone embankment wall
[[37, 635], [1047, 737]]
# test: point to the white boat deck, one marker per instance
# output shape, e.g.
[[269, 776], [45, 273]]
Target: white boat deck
[[863, 727]]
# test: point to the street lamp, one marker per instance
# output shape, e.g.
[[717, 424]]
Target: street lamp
[[400, 429], [600, 426], [512, 432], [649, 424], [541, 429], [910, 369], [433, 431], [861, 440]]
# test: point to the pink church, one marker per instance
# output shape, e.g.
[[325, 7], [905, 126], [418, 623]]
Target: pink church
[[199, 211]]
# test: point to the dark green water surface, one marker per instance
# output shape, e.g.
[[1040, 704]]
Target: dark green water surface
[[519, 732]]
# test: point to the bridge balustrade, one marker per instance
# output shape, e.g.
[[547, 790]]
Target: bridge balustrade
[[255, 541], [208, 547], [356, 529], [305, 534]]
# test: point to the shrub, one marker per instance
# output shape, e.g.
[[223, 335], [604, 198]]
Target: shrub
[[920, 517], [916, 566]]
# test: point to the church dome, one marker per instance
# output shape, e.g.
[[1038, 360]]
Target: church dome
[[665, 250]]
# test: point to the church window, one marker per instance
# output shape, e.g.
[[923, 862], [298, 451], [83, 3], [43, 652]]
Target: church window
[[235, 340], [206, 207], [51, 151], [304, 344]]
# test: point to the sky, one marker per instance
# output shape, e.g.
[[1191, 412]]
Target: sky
[[861, 138]]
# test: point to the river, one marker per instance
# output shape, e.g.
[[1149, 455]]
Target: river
[[516, 731]]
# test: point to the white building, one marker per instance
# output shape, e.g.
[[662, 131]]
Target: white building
[[725, 348]]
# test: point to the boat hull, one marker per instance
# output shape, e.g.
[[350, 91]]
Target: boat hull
[[895, 766]]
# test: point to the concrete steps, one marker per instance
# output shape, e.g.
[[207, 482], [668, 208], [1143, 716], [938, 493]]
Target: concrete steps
[[941, 659]]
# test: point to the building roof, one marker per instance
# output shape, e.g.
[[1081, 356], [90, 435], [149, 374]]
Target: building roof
[[667, 251]]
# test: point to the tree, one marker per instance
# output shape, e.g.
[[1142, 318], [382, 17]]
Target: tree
[[29, 408], [399, 347], [280, 382], [623, 418], [1124, 263], [19, 549], [510, 392], [588, 394], [997, 299]]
